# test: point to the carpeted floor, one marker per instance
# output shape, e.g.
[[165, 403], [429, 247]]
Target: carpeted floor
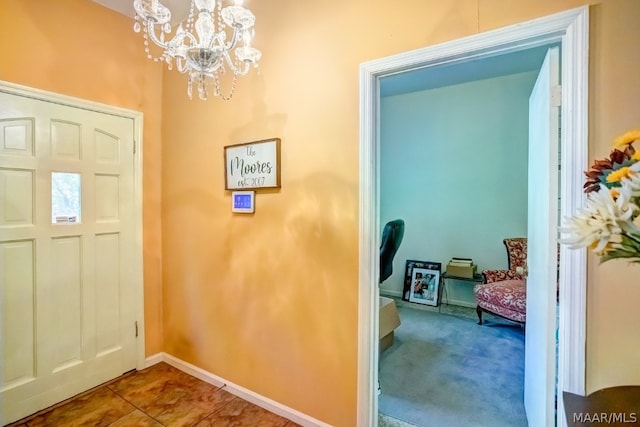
[[387, 421], [446, 370]]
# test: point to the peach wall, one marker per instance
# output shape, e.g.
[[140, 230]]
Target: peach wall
[[613, 326], [81, 49], [269, 301]]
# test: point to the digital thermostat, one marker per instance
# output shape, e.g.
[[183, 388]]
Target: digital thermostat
[[243, 201]]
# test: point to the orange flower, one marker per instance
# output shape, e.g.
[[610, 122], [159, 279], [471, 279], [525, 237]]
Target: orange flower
[[627, 138], [614, 193], [602, 168]]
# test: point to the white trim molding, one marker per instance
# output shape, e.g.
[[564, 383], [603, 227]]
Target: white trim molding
[[571, 30], [154, 359], [573, 266], [243, 393]]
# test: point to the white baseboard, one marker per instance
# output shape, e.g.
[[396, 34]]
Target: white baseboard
[[243, 393], [153, 359], [461, 303], [390, 293], [398, 296]]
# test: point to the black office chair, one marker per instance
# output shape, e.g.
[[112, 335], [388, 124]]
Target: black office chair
[[392, 235]]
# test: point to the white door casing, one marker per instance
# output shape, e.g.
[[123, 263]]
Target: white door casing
[[542, 240], [570, 29], [70, 291]]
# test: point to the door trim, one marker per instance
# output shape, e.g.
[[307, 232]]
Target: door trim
[[136, 116], [571, 30]]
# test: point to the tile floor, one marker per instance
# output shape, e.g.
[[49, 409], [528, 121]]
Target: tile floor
[[160, 395]]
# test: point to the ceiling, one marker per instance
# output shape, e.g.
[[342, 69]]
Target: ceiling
[[179, 8], [405, 82], [451, 74]]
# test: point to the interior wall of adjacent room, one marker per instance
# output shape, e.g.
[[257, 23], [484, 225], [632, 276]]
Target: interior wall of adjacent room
[[453, 165]]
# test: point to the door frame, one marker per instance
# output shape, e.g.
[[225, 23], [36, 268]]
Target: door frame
[[136, 117], [570, 29]]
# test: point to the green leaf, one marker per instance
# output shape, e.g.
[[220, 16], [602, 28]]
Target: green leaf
[[632, 240], [633, 257], [619, 253]]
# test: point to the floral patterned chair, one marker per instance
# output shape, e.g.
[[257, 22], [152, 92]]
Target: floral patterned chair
[[504, 292]]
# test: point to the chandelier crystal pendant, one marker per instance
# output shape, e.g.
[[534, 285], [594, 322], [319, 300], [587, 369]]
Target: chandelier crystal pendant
[[213, 41]]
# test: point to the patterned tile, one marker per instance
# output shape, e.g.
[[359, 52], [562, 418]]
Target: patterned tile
[[183, 406], [159, 396], [145, 379], [143, 387], [98, 408], [136, 418], [239, 413]]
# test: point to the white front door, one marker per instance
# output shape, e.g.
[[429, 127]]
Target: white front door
[[67, 290], [540, 366]]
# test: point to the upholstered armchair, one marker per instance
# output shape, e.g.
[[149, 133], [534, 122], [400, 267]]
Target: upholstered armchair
[[504, 292]]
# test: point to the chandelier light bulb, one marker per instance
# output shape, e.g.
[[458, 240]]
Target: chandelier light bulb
[[205, 5], [246, 38], [212, 41]]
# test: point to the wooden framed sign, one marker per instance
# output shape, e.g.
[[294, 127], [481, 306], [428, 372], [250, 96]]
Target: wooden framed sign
[[252, 165]]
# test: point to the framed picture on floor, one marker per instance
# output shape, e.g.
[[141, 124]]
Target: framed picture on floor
[[422, 282], [409, 265]]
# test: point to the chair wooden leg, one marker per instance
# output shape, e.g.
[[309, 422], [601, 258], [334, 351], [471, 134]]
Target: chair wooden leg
[[479, 311]]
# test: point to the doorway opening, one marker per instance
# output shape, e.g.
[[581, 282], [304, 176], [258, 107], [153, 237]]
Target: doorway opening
[[454, 166], [569, 30]]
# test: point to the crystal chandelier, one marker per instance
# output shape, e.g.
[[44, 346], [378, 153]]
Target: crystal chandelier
[[213, 41]]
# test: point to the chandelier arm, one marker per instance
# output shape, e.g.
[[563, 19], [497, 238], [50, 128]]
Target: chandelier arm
[[217, 41], [242, 71], [181, 64], [234, 40], [171, 43], [151, 31], [191, 37], [229, 62], [245, 69]]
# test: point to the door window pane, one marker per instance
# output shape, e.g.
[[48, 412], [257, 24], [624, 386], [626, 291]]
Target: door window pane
[[65, 197]]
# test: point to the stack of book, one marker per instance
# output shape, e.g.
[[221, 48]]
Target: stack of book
[[461, 262], [461, 267]]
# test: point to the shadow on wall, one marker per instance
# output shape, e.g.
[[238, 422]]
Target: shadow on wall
[[276, 287], [274, 292], [304, 259], [270, 125]]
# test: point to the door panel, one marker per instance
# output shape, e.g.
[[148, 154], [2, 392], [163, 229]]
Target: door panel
[[17, 205], [107, 254], [16, 137], [540, 365], [65, 140], [66, 324], [68, 294], [18, 344]]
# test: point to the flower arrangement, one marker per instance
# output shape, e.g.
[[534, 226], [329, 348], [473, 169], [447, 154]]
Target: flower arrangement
[[607, 222]]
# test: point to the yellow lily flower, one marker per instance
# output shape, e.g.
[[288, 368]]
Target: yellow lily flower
[[627, 138], [617, 175]]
